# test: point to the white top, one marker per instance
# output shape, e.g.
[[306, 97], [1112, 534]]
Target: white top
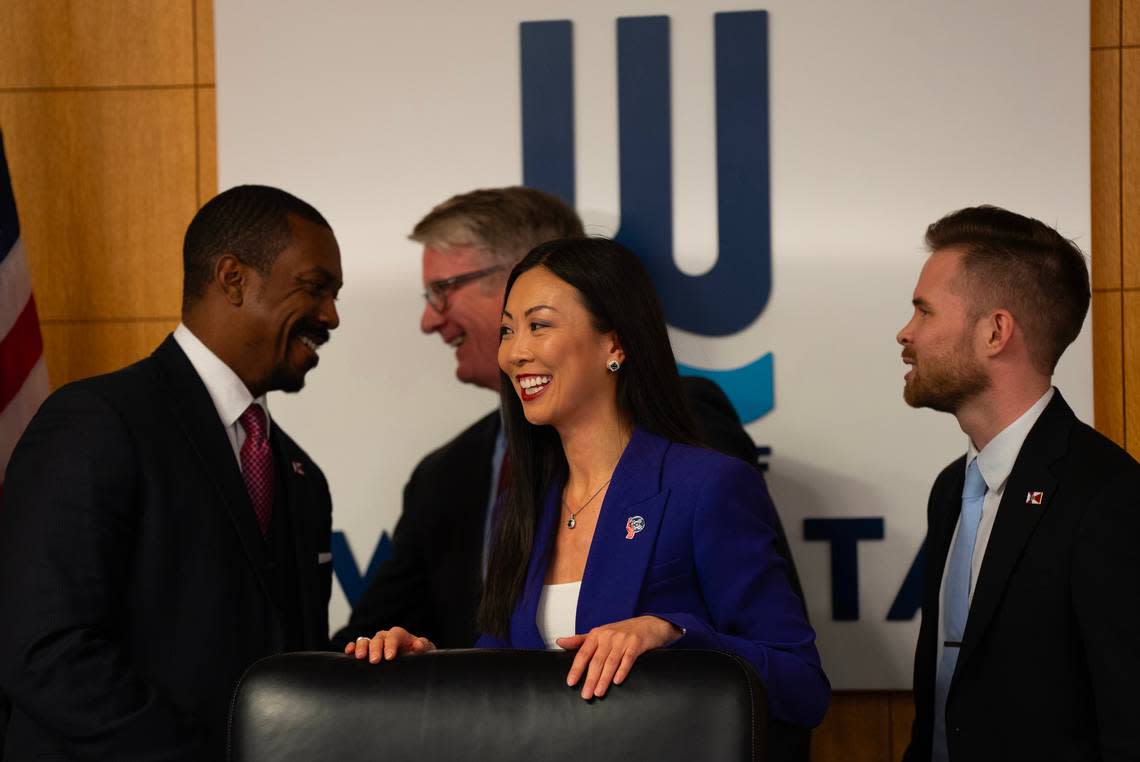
[[558, 612], [227, 391], [995, 462]]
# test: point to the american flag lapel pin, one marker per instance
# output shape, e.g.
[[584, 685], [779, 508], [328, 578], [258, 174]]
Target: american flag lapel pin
[[298, 468], [1034, 498]]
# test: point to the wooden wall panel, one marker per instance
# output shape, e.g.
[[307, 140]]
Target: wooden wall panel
[[96, 43], [82, 349], [1108, 371], [106, 182], [1130, 165], [112, 148], [1131, 372], [207, 144], [902, 716], [1104, 25], [857, 728], [1130, 22], [1114, 196], [204, 42], [1105, 148]]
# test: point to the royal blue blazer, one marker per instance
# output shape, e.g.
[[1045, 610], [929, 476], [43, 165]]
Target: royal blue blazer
[[703, 559]]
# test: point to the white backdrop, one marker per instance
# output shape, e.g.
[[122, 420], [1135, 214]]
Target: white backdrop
[[884, 116]]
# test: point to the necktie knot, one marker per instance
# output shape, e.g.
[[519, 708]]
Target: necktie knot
[[253, 421], [975, 485]]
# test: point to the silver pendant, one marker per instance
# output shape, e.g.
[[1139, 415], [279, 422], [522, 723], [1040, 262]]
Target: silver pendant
[[571, 523]]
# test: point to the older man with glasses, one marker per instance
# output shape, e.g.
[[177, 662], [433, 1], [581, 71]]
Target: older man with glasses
[[432, 582]]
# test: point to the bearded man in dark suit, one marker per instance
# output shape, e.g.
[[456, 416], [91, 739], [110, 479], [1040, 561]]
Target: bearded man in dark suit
[[1030, 640], [433, 581], [159, 532]]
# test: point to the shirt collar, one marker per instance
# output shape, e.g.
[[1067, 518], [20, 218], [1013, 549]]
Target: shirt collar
[[228, 393], [996, 459]]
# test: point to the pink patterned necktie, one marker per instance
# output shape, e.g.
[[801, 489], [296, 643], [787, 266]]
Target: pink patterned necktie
[[257, 464]]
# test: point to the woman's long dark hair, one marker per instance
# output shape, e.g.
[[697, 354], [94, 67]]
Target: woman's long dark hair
[[617, 292]]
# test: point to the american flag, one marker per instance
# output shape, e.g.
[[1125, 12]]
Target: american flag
[[23, 375]]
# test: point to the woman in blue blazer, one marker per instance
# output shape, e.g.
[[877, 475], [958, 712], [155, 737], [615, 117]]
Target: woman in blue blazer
[[618, 533]]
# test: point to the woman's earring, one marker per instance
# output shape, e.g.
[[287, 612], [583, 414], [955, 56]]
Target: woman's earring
[[614, 366]]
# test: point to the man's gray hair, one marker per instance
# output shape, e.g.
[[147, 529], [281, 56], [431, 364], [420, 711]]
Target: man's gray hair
[[505, 223]]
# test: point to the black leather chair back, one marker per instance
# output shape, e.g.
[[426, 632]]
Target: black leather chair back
[[495, 705]]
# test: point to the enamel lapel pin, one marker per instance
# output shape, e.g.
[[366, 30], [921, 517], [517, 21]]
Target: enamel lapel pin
[[633, 525], [298, 468], [1034, 498]]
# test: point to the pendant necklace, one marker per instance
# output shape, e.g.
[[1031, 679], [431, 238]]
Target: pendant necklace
[[572, 521]]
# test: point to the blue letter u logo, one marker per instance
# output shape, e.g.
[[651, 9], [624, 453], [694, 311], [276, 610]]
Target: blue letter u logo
[[735, 291]]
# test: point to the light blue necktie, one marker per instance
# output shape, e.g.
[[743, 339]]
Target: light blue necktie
[[956, 600]]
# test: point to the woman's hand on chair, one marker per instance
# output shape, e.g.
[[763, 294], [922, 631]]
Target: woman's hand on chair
[[607, 653], [386, 645]]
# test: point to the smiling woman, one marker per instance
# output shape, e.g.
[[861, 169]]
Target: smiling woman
[[618, 533]]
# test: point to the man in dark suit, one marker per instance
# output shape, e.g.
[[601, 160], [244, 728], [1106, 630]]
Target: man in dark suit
[[159, 532], [1030, 639], [432, 583]]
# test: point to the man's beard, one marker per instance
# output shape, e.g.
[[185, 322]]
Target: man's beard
[[284, 378], [945, 384]]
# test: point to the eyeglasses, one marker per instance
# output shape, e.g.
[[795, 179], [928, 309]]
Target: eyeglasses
[[437, 290]]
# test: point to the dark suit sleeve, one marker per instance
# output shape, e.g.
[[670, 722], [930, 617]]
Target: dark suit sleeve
[[752, 611], [721, 430], [717, 422], [1106, 589], [66, 537], [398, 594]]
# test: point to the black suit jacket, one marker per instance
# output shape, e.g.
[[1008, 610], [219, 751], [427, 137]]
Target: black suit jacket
[[1050, 658], [135, 586], [432, 583]]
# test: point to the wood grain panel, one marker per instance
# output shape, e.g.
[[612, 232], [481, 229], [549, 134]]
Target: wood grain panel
[[86, 43], [204, 41], [1130, 166], [1104, 23], [1131, 372], [1108, 373], [207, 144], [902, 715], [856, 729], [1105, 146], [79, 350], [106, 184], [1130, 22]]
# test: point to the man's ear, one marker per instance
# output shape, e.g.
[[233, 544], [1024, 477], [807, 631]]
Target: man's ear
[[997, 330], [232, 277]]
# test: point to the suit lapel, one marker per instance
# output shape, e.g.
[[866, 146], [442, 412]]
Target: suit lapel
[[468, 516], [194, 410], [524, 622], [616, 565], [1017, 517], [296, 501], [947, 508]]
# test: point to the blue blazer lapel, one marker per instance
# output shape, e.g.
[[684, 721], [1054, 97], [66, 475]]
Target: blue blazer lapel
[[616, 565], [524, 620]]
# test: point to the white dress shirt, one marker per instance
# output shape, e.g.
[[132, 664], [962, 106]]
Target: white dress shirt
[[228, 392], [995, 462]]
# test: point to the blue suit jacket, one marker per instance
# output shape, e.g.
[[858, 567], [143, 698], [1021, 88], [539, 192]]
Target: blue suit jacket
[[705, 561]]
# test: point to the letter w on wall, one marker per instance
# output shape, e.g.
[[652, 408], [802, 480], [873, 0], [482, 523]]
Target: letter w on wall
[[735, 291]]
